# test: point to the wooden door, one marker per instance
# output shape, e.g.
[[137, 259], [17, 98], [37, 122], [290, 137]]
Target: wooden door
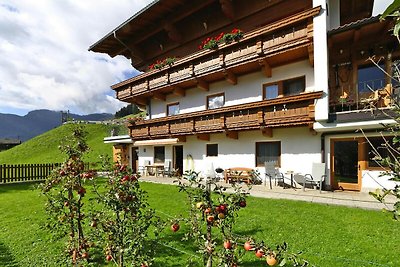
[[347, 162]]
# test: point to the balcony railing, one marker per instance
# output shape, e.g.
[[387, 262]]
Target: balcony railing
[[279, 112], [363, 95], [274, 39]]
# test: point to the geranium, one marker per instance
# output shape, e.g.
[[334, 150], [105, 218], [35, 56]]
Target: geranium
[[212, 43], [162, 63]]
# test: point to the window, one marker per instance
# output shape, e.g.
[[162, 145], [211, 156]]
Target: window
[[290, 87], [378, 144], [159, 154], [370, 78], [172, 109], [268, 151], [271, 91], [212, 150], [294, 86], [215, 101]]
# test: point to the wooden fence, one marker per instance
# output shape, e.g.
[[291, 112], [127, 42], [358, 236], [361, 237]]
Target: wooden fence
[[25, 172]]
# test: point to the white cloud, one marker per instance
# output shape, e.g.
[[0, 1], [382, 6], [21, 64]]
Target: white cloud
[[45, 62]]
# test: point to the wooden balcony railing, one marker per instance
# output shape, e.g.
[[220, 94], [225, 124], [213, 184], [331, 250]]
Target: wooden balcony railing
[[285, 111], [257, 46]]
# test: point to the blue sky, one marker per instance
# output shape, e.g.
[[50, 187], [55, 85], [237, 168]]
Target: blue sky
[[45, 62]]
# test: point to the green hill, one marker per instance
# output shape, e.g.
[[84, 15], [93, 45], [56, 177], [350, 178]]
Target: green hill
[[44, 148]]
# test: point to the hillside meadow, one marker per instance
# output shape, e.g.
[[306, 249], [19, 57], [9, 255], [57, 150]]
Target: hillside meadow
[[44, 148]]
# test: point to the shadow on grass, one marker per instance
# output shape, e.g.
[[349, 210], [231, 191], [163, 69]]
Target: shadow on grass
[[6, 257], [8, 188]]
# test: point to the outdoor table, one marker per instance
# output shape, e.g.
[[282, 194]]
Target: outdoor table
[[154, 168], [291, 173]]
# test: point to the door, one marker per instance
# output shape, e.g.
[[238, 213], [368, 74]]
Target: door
[[135, 159], [178, 159], [346, 164]]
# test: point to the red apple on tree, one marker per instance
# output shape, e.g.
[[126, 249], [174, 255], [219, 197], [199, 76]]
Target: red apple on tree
[[108, 258], [175, 227], [259, 253], [242, 203], [210, 218], [227, 244], [247, 246]]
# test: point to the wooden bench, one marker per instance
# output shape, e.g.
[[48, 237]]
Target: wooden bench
[[239, 174]]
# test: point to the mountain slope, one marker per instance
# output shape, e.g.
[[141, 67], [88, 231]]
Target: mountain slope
[[37, 122], [44, 148]]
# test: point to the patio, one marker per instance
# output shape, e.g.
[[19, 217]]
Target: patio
[[343, 198]]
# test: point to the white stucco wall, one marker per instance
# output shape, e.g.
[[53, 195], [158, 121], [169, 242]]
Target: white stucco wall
[[299, 149], [321, 60], [248, 89]]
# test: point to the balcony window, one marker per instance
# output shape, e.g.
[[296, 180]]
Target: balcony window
[[159, 154], [212, 150], [271, 91], [370, 78], [268, 151], [294, 86], [172, 109], [215, 101]]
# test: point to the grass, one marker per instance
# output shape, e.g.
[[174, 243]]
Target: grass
[[44, 148], [327, 235]]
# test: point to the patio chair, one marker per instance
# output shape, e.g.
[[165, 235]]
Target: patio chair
[[167, 170], [317, 176], [272, 173], [143, 169]]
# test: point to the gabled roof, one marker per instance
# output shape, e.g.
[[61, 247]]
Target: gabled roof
[[354, 24]]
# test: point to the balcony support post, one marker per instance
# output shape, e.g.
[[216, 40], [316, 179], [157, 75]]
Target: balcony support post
[[232, 134], [266, 131], [204, 137], [159, 96], [230, 77], [203, 85], [266, 68], [178, 91]]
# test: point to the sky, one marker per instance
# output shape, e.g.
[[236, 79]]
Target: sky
[[44, 57]]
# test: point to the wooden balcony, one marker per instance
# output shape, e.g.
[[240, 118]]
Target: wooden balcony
[[279, 43], [280, 112]]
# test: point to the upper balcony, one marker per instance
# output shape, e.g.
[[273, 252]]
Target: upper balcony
[[296, 110], [279, 43]]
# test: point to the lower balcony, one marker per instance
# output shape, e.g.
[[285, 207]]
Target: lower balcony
[[267, 114]]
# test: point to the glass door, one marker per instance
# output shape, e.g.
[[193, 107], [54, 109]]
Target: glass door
[[345, 164]]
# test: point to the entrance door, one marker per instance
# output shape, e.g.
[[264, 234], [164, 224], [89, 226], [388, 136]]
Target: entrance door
[[345, 164], [135, 159], [178, 159]]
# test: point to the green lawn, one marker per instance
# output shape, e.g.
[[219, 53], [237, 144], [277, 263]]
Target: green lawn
[[328, 235]]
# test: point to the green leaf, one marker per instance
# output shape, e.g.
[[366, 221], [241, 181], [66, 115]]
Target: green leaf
[[396, 29], [391, 9]]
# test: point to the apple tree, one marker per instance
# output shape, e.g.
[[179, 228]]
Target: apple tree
[[65, 190]]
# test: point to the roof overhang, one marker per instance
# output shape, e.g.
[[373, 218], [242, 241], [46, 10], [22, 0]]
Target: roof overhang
[[323, 127], [121, 139], [153, 142]]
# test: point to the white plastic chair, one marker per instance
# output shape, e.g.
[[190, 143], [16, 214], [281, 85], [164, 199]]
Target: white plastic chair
[[272, 173], [317, 176]]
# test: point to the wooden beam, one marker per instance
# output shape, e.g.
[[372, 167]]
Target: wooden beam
[[311, 54], [230, 77], [356, 36], [228, 9], [178, 91], [204, 137], [232, 134], [182, 139], [140, 101], [266, 68], [311, 128], [267, 131], [173, 32], [159, 96], [203, 85]]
